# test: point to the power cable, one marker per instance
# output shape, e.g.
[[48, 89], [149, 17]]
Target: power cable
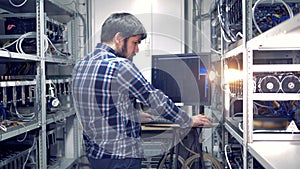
[[17, 5], [226, 157]]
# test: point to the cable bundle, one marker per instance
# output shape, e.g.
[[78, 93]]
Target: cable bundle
[[20, 40]]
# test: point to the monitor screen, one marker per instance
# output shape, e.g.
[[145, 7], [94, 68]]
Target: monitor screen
[[183, 77]]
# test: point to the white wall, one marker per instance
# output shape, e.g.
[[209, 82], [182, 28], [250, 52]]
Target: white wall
[[163, 20]]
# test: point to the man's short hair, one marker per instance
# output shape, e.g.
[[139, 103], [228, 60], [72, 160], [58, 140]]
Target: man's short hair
[[124, 23]]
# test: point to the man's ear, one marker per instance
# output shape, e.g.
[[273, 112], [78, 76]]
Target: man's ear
[[118, 38]]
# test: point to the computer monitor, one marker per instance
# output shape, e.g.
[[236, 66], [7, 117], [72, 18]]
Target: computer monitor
[[183, 77]]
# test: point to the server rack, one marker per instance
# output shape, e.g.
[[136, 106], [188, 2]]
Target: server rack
[[36, 100], [278, 47]]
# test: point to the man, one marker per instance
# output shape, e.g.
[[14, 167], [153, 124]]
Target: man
[[106, 86]]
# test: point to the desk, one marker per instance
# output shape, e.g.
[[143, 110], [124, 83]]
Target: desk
[[186, 146], [157, 141]]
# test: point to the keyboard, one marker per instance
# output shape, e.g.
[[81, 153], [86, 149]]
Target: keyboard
[[160, 120]]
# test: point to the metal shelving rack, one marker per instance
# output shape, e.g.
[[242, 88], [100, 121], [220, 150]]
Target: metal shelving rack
[[266, 147], [49, 71]]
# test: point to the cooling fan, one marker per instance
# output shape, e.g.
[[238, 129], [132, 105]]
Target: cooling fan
[[268, 84], [290, 84]]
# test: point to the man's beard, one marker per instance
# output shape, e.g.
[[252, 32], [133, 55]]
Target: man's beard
[[130, 57], [124, 51]]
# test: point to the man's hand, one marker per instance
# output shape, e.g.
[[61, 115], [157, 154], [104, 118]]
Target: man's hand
[[201, 120], [146, 117]]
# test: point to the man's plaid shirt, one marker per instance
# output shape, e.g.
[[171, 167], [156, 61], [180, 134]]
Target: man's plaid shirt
[[105, 88]]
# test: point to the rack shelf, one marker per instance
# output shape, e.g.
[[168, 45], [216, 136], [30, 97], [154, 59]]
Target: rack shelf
[[270, 153], [17, 83], [52, 8], [59, 116], [64, 163], [19, 129], [276, 96], [12, 55]]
